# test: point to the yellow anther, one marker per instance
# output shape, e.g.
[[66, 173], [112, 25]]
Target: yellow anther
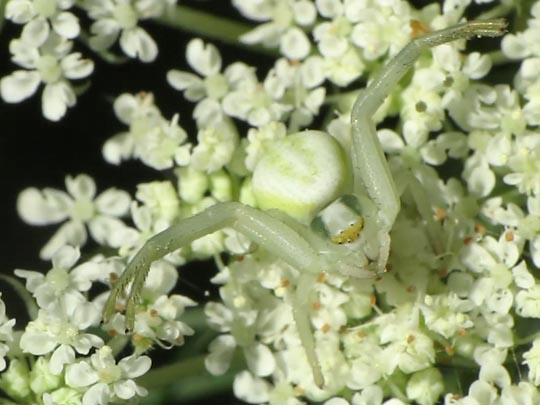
[[418, 28], [349, 234]]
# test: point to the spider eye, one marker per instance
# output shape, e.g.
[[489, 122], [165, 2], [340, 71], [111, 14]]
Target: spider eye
[[300, 174]]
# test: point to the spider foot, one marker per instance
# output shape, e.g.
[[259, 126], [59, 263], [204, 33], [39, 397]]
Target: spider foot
[[111, 307]]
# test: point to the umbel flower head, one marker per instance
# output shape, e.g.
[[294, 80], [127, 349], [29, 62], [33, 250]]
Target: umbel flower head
[[404, 273]]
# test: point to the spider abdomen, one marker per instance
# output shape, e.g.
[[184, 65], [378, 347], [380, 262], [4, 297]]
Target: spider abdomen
[[300, 174]]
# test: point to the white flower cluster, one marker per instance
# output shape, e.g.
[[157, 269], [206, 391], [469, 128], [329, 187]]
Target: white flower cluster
[[44, 49], [74, 363], [65, 369], [461, 293]]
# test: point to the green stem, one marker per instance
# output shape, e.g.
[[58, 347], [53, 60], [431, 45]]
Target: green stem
[[502, 10], [523, 14], [526, 339], [105, 55], [118, 343], [209, 26], [396, 391], [183, 369], [2, 13], [458, 362], [196, 318], [205, 24], [498, 58], [27, 298], [172, 373]]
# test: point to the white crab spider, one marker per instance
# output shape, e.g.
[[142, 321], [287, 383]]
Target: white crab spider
[[281, 225]]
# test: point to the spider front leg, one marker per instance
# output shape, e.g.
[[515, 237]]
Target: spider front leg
[[370, 169], [260, 227], [279, 234]]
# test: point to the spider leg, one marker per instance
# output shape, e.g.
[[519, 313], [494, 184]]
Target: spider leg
[[260, 227], [370, 169], [300, 308], [282, 236]]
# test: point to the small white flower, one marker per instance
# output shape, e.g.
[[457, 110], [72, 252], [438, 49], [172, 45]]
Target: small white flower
[[192, 184], [256, 104], [369, 396], [524, 164], [344, 70], [162, 200], [47, 60], [281, 29], [51, 206], [299, 85], [524, 44], [62, 21], [425, 387], [446, 314], [118, 19], [215, 148], [361, 352], [332, 37], [379, 29], [160, 318], [57, 330], [260, 137], [209, 90], [104, 380], [63, 282], [158, 142], [488, 108], [528, 302]]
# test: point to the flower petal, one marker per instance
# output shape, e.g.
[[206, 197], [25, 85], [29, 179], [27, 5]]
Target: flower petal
[[19, 11], [98, 394], [135, 366], [221, 351], [37, 343], [113, 202], [19, 85], [81, 186], [80, 375], [251, 389], [76, 68], [43, 208], [61, 356], [105, 32], [125, 389], [102, 228], [35, 32], [205, 60], [260, 359], [136, 43], [66, 25], [118, 148], [65, 257], [71, 233], [56, 98]]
